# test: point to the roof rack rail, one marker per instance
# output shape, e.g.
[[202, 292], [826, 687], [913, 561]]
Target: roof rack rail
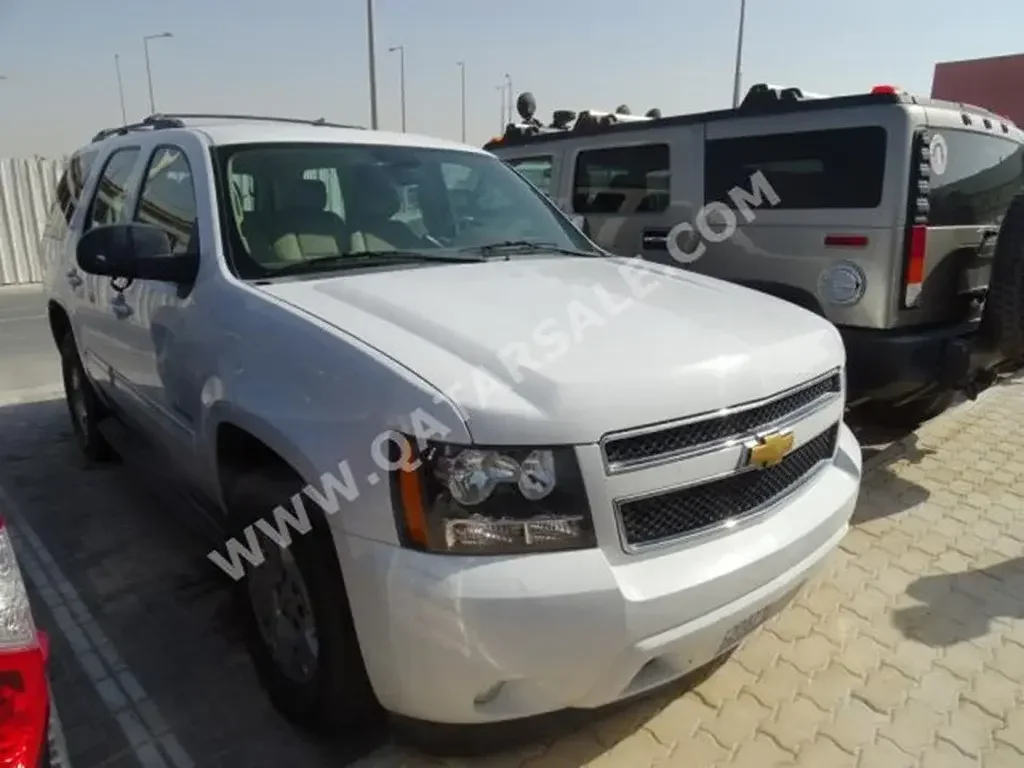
[[153, 122], [162, 121], [181, 116]]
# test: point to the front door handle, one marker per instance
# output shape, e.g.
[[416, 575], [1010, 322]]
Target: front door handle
[[656, 239], [74, 279]]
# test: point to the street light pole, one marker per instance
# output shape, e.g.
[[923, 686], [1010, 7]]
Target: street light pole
[[149, 70], [501, 91], [462, 67], [508, 84], [739, 55], [373, 64], [120, 88], [401, 65]]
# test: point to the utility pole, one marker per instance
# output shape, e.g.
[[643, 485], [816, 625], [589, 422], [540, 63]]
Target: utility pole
[[149, 70], [739, 55], [120, 88], [508, 84], [501, 92], [401, 65], [462, 68], [373, 64]]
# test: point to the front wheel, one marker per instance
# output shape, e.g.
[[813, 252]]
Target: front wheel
[[298, 625], [83, 405]]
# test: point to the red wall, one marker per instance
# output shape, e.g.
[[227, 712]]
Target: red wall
[[996, 84]]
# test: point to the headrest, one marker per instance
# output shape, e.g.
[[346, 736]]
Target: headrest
[[375, 194], [307, 194]]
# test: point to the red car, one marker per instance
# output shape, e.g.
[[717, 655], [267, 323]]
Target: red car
[[30, 733]]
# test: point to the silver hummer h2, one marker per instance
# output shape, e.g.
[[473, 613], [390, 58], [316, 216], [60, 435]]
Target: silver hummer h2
[[880, 211]]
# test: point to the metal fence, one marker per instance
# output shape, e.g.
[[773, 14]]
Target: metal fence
[[26, 192]]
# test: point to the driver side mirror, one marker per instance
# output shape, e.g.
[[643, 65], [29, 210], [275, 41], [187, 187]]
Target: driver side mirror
[[134, 251]]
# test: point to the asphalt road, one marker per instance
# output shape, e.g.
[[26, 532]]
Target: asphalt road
[[147, 665], [28, 365]]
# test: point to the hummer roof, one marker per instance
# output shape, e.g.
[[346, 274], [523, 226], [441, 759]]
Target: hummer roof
[[762, 99]]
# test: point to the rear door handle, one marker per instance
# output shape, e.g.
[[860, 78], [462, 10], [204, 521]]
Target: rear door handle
[[74, 279]]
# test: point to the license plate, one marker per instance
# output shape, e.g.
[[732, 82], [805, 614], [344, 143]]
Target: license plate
[[737, 633]]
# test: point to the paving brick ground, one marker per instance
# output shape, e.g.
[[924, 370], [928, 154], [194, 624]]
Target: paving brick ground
[[907, 651]]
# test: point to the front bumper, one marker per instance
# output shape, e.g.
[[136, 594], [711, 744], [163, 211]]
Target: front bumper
[[472, 640]]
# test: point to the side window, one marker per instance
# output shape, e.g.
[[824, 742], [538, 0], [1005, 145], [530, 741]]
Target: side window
[[329, 178], [974, 177], [243, 191], [472, 193], [69, 188], [840, 168], [622, 180], [537, 171], [168, 198], [56, 227], [112, 190]]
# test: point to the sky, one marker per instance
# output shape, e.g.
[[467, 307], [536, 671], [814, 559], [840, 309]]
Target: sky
[[308, 58]]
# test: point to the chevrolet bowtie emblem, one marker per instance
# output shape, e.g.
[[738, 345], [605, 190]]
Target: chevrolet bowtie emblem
[[768, 450]]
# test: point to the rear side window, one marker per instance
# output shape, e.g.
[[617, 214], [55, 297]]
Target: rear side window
[[112, 190], [622, 180], [974, 177], [838, 168], [537, 171], [72, 181]]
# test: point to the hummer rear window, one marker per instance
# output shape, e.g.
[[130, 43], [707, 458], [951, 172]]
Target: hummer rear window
[[973, 178], [838, 168]]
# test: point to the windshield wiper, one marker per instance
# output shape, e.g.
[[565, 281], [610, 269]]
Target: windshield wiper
[[360, 259], [511, 247]]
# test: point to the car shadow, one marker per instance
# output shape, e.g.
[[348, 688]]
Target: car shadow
[[959, 607], [884, 493], [591, 732], [143, 572]]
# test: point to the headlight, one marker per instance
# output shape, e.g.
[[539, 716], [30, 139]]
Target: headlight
[[486, 500]]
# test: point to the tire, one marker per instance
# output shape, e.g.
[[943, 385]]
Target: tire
[[1002, 322], [909, 415], [337, 692], [84, 407]]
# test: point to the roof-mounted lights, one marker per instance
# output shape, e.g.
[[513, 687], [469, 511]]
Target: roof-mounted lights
[[563, 120]]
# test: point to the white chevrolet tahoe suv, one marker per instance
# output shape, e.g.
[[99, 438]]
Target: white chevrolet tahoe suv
[[470, 467]]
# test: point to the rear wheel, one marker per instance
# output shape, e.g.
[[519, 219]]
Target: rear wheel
[[1002, 323], [298, 625], [83, 406]]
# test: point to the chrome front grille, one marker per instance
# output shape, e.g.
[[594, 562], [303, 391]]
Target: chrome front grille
[[669, 441], [716, 504]]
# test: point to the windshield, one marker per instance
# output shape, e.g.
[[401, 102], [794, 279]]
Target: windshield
[[308, 207]]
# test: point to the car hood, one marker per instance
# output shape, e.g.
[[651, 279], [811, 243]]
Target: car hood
[[563, 350]]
